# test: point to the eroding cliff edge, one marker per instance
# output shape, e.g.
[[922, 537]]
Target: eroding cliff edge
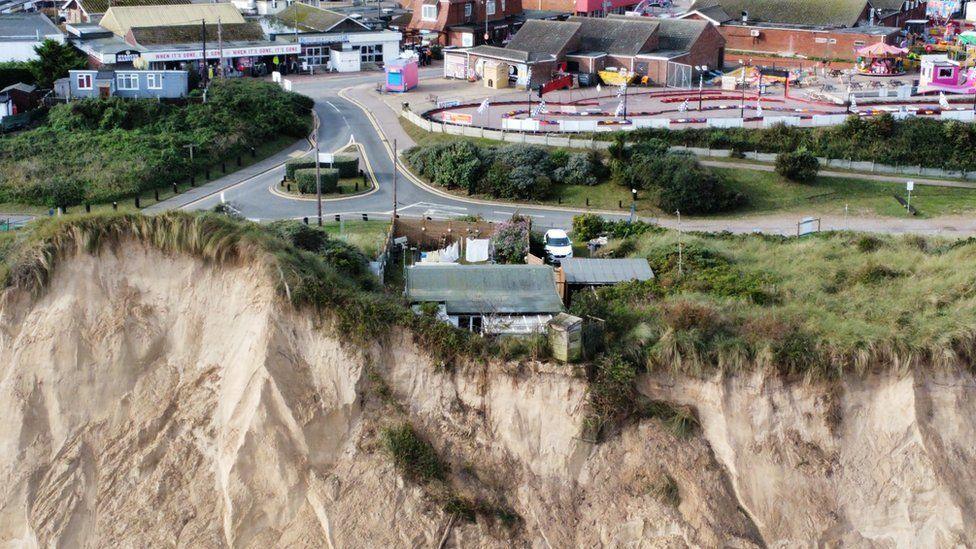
[[153, 399]]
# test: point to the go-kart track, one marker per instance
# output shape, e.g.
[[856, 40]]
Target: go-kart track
[[607, 109]]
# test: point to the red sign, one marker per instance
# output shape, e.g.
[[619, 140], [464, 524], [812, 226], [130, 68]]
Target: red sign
[[558, 83]]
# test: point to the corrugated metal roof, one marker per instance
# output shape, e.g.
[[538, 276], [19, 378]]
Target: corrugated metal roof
[[485, 289], [122, 18], [605, 271], [310, 18]]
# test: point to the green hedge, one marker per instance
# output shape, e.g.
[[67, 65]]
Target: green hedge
[[306, 180], [346, 164]]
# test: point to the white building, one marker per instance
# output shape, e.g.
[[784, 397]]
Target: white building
[[20, 33]]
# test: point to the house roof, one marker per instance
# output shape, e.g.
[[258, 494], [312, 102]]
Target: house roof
[[182, 34], [616, 36], [605, 271], [19, 86], [310, 18], [812, 13], [679, 34], [888, 5], [715, 13], [120, 19], [94, 7], [543, 38], [20, 26], [485, 289], [500, 53]]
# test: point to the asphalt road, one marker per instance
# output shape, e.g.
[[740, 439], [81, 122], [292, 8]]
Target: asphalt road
[[340, 122]]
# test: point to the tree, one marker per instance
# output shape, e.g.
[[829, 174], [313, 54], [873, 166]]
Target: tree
[[800, 165], [54, 60]]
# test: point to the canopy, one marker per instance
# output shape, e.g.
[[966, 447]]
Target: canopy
[[880, 49], [967, 38]]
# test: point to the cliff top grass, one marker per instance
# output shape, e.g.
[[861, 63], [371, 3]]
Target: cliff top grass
[[825, 304], [310, 269]]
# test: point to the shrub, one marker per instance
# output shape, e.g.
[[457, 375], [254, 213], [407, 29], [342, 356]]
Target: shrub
[[578, 170], [693, 190], [680, 420], [413, 456], [588, 226], [800, 165], [292, 166], [868, 243], [305, 179], [458, 165], [347, 164], [511, 240], [115, 148]]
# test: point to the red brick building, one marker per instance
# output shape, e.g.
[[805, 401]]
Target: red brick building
[[463, 23], [809, 29]]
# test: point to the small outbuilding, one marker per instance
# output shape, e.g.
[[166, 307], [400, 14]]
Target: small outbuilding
[[566, 337], [580, 273], [489, 299], [401, 75]]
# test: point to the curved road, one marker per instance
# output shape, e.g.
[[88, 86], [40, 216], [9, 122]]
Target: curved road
[[340, 121]]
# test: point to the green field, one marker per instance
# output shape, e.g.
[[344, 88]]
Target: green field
[[368, 236]]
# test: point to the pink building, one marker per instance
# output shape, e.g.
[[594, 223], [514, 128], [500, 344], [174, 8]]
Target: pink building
[[401, 75], [939, 73], [592, 8]]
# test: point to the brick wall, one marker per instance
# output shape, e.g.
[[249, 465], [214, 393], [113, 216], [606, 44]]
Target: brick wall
[[452, 13], [821, 44]]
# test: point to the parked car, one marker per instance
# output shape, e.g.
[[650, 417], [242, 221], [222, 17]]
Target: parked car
[[558, 245]]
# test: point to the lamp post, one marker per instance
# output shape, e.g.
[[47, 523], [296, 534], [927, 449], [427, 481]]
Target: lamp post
[[742, 104], [701, 83]]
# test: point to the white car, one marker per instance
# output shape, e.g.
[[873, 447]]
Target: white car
[[558, 245]]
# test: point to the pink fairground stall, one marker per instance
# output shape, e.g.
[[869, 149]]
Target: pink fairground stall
[[401, 75], [941, 74]]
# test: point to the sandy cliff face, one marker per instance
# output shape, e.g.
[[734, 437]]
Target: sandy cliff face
[[150, 400]]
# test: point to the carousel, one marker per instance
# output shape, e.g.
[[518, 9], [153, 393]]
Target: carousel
[[881, 60]]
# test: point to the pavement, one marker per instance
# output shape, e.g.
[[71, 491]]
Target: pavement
[[349, 110]]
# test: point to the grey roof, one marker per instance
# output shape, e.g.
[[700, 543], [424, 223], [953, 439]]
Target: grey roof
[[615, 35], [605, 271], [19, 86], [813, 13], [485, 289], [715, 13], [500, 53], [540, 38], [23, 26], [679, 34]]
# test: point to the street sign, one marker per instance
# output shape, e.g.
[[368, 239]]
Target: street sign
[[326, 158], [910, 185]]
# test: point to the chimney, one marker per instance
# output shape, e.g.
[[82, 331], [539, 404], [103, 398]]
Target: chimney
[[870, 17], [745, 16]]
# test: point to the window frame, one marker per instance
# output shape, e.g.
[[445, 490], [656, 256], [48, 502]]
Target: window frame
[[154, 81], [489, 7], [468, 10], [128, 78], [423, 12], [86, 78]]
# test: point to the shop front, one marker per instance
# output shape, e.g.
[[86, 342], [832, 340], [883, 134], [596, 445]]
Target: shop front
[[254, 60]]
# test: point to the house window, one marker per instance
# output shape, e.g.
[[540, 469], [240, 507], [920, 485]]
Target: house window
[[503, 6], [429, 12], [467, 10], [154, 81], [859, 43], [945, 72], [127, 81], [316, 56], [84, 82], [490, 7], [371, 53]]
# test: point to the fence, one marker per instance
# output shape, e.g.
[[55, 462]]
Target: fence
[[679, 75], [557, 140]]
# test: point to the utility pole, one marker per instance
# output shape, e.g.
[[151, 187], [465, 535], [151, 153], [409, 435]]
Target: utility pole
[[220, 50], [680, 267], [318, 173], [203, 23], [742, 104], [394, 180]]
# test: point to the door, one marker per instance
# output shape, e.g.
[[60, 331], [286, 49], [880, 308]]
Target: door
[[104, 92]]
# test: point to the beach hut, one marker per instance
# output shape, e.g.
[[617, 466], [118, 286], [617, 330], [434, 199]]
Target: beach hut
[[401, 75]]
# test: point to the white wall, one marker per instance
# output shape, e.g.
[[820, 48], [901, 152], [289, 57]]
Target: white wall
[[345, 61], [18, 51]]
